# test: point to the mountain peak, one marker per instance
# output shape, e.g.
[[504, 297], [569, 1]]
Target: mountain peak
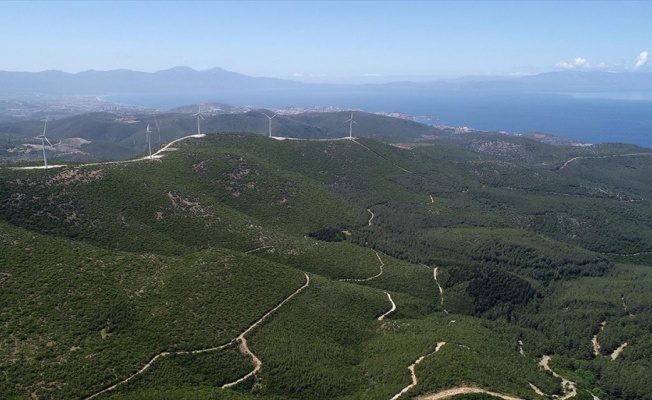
[[177, 69]]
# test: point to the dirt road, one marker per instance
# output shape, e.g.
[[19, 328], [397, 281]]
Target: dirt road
[[391, 310], [594, 339], [607, 156], [371, 216], [413, 374], [441, 290], [464, 390], [567, 386], [382, 266], [619, 350], [156, 155], [243, 348], [149, 364]]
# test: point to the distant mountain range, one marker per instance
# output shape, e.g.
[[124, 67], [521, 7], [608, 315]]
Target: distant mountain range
[[178, 79], [185, 79], [560, 81], [577, 81]]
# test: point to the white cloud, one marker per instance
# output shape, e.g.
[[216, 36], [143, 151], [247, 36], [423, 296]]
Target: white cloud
[[641, 60], [564, 65], [581, 62], [578, 62]]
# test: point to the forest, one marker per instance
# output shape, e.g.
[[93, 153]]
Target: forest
[[242, 267]]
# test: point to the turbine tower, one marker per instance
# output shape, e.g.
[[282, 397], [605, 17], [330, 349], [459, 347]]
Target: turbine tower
[[149, 141], [43, 140], [270, 122], [199, 116], [351, 122]]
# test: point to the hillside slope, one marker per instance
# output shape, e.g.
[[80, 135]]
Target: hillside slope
[[105, 136], [238, 257]]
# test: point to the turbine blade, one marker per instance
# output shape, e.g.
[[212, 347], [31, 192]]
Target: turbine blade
[[202, 117], [46, 139]]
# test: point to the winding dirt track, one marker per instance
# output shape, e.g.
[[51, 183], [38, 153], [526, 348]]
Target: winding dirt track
[[445, 393], [619, 350], [596, 345], [149, 364], [243, 342], [441, 290], [243, 348], [371, 216], [391, 310], [607, 156], [567, 386], [156, 155], [397, 166], [259, 248], [594, 339], [464, 390], [570, 161], [537, 390], [382, 266], [413, 374]]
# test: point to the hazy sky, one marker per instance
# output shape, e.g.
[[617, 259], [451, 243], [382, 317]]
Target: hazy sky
[[366, 41]]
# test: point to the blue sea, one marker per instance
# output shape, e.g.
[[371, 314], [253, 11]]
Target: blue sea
[[585, 117]]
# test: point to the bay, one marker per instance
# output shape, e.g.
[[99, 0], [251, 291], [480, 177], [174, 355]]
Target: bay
[[588, 118]]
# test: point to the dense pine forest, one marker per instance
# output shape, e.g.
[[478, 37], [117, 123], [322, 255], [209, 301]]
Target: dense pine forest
[[237, 266]]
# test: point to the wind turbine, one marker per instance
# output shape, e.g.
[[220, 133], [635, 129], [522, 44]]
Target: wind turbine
[[43, 140], [351, 122], [270, 122], [198, 116], [149, 142]]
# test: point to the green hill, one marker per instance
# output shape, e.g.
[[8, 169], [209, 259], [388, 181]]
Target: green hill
[[141, 280], [115, 137]]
